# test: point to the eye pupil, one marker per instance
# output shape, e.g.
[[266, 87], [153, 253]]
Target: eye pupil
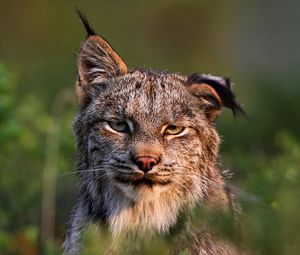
[[173, 130], [119, 126]]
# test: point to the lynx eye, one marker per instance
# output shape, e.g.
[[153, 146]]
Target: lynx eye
[[119, 126], [173, 130]]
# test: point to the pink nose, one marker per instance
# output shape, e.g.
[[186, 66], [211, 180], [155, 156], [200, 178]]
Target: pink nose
[[146, 163]]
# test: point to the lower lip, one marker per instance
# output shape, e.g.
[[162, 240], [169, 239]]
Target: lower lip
[[142, 181]]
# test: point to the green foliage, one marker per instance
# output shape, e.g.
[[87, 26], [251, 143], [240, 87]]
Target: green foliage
[[274, 215], [8, 123], [37, 107], [24, 128], [266, 173]]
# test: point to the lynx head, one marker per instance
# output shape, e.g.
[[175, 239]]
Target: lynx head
[[146, 141]]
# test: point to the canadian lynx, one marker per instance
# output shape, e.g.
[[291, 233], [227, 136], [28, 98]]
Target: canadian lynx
[[147, 147]]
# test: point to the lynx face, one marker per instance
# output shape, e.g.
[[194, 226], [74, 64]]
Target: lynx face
[[146, 141], [147, 132]]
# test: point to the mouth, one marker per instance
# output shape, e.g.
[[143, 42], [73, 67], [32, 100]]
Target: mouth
[[142, 179]]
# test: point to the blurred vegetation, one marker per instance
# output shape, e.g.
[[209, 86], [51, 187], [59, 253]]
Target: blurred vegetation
[[254, 42]]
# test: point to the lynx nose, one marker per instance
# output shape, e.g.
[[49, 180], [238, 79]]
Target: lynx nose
[[146, 163]]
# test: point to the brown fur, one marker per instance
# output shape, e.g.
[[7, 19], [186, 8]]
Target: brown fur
[[145, 103]]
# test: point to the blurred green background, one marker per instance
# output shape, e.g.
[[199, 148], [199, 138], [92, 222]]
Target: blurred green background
[[255, 43]]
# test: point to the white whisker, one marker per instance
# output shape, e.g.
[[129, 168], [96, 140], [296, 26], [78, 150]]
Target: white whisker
[[84, 170], [202, 178]]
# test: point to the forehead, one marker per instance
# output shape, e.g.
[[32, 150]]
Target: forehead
[[146, 95]]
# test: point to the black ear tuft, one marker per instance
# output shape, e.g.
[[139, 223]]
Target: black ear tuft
[[222, 86], [85, 22]]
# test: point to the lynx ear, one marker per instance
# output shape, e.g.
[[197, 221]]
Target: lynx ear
[[214, 92], [96, 62]]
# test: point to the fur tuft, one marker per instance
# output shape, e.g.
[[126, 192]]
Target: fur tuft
[[85, 23], [223, 88]]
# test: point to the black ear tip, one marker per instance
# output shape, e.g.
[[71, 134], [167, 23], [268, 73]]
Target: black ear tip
[[223, 88], [237, 110], [85, 23], [227, 82]]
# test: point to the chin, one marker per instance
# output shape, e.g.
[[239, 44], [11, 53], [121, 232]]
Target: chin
[[145, 204], [143, 209], [143, 189]]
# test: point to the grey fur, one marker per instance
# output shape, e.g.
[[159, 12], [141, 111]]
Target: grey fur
[[187, 173]]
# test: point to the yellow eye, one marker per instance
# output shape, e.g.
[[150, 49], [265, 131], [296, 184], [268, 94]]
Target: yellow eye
[[119, 126], [173, 130]]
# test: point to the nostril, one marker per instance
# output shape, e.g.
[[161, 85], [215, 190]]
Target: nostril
[[151, 165], [140, 164]]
